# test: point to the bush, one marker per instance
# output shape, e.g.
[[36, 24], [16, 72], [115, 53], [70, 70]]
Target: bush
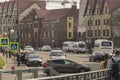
[[2, 63]]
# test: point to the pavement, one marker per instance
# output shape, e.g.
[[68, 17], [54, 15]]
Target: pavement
[[11, 62]]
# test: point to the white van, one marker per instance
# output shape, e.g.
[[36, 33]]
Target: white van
[[68, 46], [79, 46]]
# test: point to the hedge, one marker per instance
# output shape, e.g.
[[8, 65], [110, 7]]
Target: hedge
[[2, 63]]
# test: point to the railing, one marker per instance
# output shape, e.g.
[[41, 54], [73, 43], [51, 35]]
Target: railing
[[18, 73], [92, 75]]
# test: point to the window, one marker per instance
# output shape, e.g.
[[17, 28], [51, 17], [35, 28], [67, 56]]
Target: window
[[59, 61], [90, 11], [99, 32], [98, 11], [106, 44], [104, 32], [70, 25], [106, 21], [105, 9], [89, 22], [97, 22], [70, 35], [107, 32]]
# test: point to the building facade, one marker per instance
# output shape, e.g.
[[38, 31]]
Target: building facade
[[50, 27], [98, 19]]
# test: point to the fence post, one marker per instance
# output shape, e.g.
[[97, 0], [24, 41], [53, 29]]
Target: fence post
[[1, 75], [19, 74], [35, 72]]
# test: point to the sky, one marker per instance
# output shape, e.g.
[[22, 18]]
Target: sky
[[57, 5]]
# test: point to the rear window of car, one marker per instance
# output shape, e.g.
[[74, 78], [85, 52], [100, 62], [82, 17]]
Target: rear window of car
[[57, 54], [59, 62]]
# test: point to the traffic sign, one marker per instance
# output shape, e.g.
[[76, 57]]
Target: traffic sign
[[4, 42], [14, 46]]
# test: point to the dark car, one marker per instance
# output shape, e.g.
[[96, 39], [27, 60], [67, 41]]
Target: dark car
[[97, 55], [65, 66], [34, 60], [25, 54]]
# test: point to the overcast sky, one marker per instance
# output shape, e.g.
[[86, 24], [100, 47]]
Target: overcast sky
[[53, 5]]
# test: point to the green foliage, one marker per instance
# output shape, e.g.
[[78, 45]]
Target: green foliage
[[2, 63]]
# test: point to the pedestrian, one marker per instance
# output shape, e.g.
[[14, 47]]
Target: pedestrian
[[18, 59], [3, 51], [114, 59], [104, 63]]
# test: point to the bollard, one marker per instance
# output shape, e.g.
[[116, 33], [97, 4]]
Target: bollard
[[35, 72], [13, 69], [19, 74], [1, 75]]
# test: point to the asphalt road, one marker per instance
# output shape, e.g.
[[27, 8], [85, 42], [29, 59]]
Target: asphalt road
[[79, 58]]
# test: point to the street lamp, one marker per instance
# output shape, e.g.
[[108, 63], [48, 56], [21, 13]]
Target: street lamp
[[53, 43]]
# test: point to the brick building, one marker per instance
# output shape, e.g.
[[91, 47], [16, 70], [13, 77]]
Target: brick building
[[50, 27]]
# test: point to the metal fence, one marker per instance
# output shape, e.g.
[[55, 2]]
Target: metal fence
[[92, 75], [104, 74], [18, 73]]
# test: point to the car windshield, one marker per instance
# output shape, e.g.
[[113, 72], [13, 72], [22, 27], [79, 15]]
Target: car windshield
[[82, 45], [57, 54], [98, 53], [33, 56]]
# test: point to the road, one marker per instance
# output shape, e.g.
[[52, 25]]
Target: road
[[79, 58]]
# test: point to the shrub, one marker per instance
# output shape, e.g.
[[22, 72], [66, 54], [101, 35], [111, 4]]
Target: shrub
[[2, 63]]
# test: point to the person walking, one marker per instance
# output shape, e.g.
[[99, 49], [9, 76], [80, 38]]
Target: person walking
[[18, 59], [104, 63], [114, 59]]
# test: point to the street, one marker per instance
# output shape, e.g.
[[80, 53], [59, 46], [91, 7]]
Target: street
[[79, 58]]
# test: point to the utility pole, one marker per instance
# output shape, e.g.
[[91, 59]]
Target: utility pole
[[17, 24]]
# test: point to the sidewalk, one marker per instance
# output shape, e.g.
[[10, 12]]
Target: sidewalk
[[11, 62]]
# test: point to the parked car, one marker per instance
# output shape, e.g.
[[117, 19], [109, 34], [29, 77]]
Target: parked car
[[25, 54], [57, 54], [46, 48], [30, 48], [97, 55], [65, 66], [34, 60]]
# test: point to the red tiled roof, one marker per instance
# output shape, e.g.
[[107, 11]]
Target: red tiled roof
[[113, 4], [46, 15], [23, 4], [52, 14], [100, 3], [1, 4], [91, 3]]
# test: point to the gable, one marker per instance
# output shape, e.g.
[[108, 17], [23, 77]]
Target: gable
[[29, 9]]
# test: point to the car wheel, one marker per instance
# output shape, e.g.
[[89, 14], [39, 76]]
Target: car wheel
[[89, 59]]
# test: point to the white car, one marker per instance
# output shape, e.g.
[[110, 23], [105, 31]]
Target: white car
[[57, 54], [29, 48], [46, 48]]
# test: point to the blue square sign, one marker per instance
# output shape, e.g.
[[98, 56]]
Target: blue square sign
[[14, 46], [5, 41]]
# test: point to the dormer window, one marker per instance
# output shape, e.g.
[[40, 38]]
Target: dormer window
[[90, 11], [98, 11], [36, 16], [105, 9]]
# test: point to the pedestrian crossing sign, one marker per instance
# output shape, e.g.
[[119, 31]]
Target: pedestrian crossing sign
[[14, 46], [4, 42]]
